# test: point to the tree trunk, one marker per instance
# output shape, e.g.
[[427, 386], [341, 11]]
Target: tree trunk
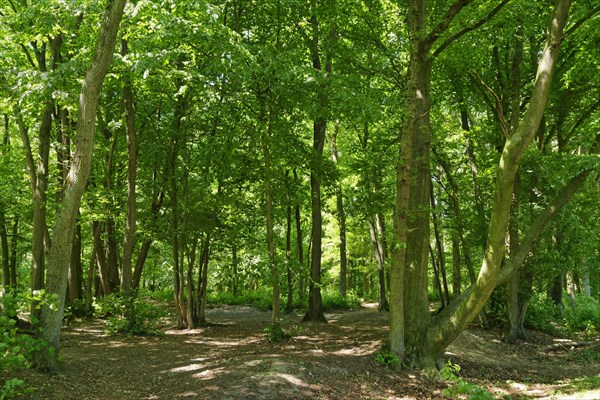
[[288, 252], [448, 324], [79, 171], [439, 245], [341, 215], [89, 287], [4, 247], [378, 250], [130, 130], [75, 275], [300, 246], [409, 307], [266, 136], [315, 303], [101, 258], [13, 253], [456, 284], [145, 247]]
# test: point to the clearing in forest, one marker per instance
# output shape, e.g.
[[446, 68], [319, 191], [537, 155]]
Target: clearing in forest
[[231, 359]]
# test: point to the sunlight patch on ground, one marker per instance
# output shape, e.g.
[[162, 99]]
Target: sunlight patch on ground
[[209, 373], [187, 368], [359, 351]]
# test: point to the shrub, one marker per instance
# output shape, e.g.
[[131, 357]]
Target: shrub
[[135, 315], [16, 348], [387, 359], [541, 312], [584, 316], [333, 300], [459, 388]]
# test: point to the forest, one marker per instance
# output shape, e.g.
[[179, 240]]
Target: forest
[[393, 182]]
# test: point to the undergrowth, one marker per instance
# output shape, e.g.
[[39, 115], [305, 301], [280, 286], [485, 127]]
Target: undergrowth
[[18, 348], [135, 315]]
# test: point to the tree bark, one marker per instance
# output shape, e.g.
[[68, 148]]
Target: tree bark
[[315, 302], [75, 275], [130, 226], [448, 324], [341, 215], [4, 253], [79, 171]]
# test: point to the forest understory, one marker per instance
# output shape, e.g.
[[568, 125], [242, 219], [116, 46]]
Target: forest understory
[[232, 359]]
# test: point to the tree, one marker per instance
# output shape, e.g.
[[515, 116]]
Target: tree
[[412, 334], [56, 282]]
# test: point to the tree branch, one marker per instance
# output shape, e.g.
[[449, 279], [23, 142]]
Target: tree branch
[[577, 24], [470, 28], [537, 227], [499, 109], [445, 22]]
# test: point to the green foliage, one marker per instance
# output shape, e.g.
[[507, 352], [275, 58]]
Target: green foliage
[[261, 298], [333, 300], [132, 316], [584, 316], [387, 359], [276, 334], [459, 388], [16, 348], [541, 313]]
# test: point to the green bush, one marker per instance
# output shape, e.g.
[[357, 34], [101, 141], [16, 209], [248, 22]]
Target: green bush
[[333, 300], [459, 388], [541, 312], [387, 359], [17, 348], [135, 315], [585, 316]]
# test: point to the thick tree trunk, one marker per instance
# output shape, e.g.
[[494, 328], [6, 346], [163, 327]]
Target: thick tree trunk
[[79, 171], [409, 307]]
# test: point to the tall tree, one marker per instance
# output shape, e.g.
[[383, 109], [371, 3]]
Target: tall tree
[[56, 282]]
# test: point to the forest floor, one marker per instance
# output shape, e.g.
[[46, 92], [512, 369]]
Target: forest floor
[[231, 359]]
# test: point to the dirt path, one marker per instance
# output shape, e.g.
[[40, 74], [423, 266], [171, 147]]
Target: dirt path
[[232, 360]]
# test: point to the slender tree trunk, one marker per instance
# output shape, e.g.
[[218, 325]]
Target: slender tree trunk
[[145, 247], [202, 280], [288, 254], [439, 245], [266, 150], [456, 283], [62, 242], [13, 253], [379, 258], [341, 215], [299, 245], [75, 275], [130, 129], [89, 287], [101, 258], [5, 256]]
